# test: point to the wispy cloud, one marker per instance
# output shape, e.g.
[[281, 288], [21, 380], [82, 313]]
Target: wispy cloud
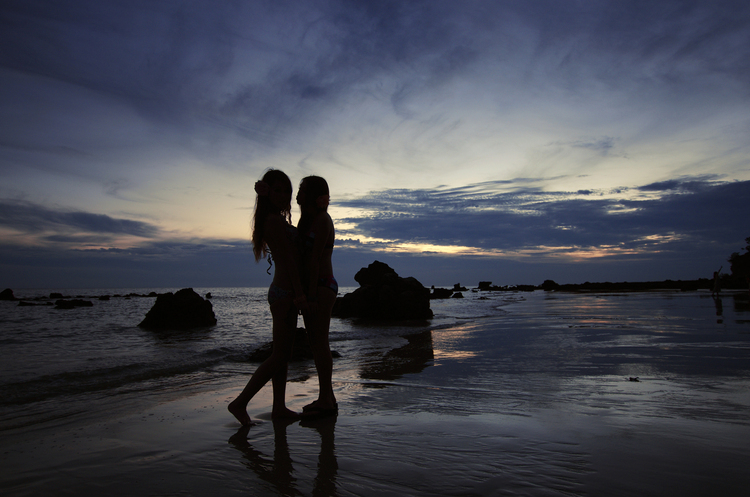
[[29, 218]]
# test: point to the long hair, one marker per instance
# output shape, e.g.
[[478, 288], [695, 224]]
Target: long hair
[[315, 186], [264, 207]]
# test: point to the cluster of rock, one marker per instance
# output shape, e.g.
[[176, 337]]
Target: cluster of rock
[[484, 286], [630, 286], [181, 310], [550, 285], [61, 302], [446, 293], [384, 295], [65, 301]]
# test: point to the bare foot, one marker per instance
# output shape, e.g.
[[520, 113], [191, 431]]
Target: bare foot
[[239, 412], [284, 414]]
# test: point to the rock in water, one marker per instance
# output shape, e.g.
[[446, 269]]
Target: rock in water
[[7, 294], [182, 310], [384, 295]]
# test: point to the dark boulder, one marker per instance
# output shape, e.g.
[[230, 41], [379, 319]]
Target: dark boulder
[[7, 294], [441, 293], [458, 295], [182, 310], [384, 295]]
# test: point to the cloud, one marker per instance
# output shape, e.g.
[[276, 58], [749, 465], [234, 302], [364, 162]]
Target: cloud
[[517, 235], [127, 105], [30, 218], [689, 211], [601, 145]]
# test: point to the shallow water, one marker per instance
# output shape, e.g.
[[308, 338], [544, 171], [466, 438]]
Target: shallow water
[[500, 394]]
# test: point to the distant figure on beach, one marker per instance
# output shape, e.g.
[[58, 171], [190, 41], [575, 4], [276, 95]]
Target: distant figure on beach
[[275, 237], [717, 283], [317, 237]]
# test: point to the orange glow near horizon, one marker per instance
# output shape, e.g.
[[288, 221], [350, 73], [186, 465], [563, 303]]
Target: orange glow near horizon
[[643, 246]]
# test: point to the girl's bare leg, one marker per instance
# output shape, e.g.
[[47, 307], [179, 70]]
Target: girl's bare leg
[[318, 336], [280, 410], [283, 339]]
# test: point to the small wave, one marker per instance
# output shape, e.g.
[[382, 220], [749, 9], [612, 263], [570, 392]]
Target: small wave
[[109, 378]]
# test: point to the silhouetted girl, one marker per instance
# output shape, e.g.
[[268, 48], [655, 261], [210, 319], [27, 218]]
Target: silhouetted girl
[[317, 236], [274, 237]]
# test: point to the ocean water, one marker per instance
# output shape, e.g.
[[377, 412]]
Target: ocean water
[[58, 363], [79, 355], [502, 393]]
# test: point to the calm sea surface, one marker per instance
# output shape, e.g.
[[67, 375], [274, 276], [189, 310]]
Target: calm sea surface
[[492, 359]]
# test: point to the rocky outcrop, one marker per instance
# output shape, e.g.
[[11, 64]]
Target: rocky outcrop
[[384, 295], [7, 294], [441, 293], [182, 310]]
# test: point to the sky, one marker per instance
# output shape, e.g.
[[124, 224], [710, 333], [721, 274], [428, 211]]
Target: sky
[[502, 141]]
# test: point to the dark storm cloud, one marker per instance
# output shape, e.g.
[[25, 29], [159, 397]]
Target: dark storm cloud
[[30, 218], [691, 211]]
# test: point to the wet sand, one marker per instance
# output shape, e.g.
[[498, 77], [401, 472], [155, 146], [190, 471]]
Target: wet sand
[[416, 427], [192, 446]]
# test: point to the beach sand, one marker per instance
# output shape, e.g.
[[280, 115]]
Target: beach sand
[[192, 446], [407, 430]]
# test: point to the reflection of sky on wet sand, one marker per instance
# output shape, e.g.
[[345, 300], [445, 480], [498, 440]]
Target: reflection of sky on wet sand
[[541, 399], [411, 358], [447, 344], [584, 347]]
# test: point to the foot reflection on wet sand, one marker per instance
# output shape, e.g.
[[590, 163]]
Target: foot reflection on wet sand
[[278, 469]]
